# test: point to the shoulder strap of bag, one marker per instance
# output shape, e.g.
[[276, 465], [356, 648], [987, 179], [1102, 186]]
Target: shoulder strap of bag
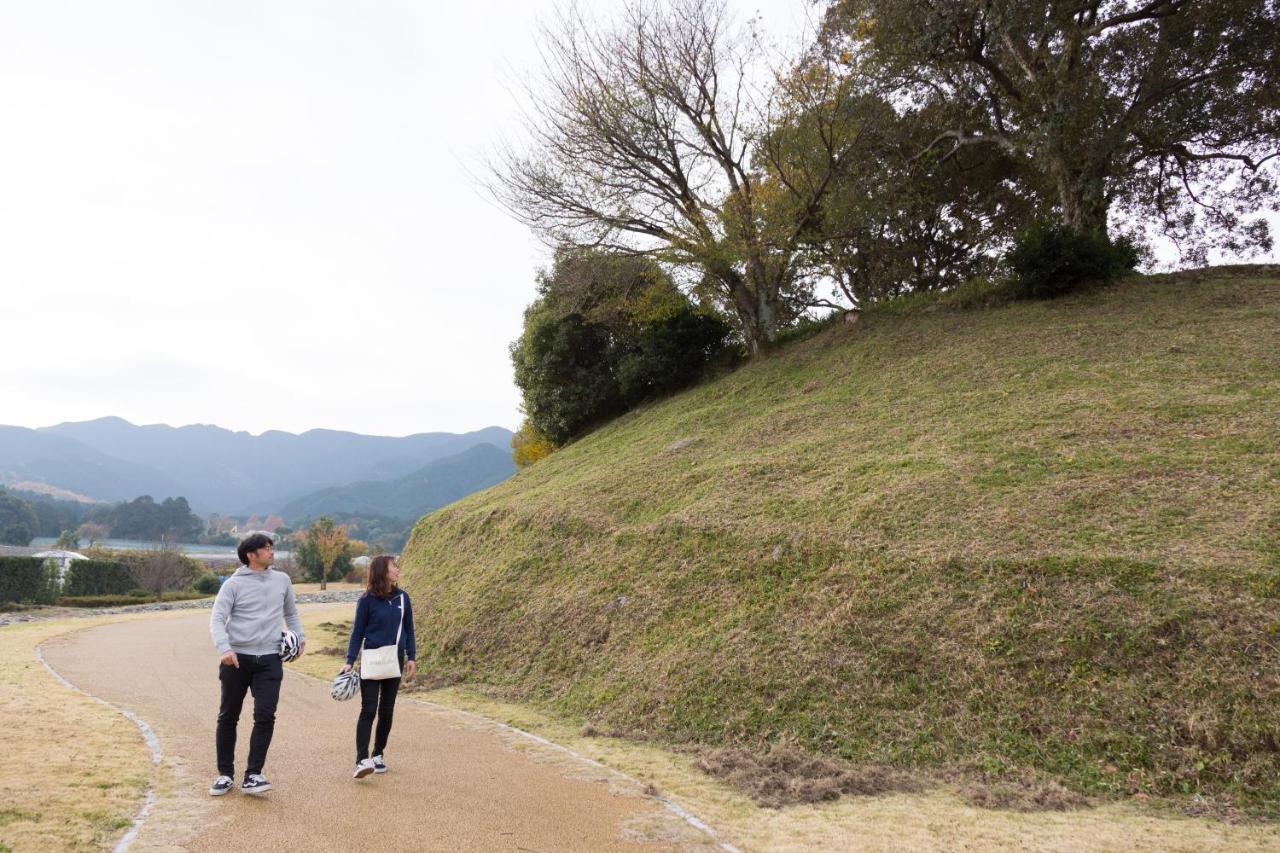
[[401, 626]]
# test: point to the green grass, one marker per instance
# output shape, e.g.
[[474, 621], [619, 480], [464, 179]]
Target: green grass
[[1040, 537]]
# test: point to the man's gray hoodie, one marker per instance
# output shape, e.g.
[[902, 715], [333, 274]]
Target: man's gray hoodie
[[249, 609]]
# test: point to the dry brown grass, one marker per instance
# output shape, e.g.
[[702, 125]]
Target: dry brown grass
[[74, 771]]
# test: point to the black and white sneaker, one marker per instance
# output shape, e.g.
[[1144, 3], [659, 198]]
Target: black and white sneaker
[[221, 785], [363, 769], [379, 766], [255, 783]]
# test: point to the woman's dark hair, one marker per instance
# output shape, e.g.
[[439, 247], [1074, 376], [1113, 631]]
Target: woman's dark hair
[[251, 543], [377, 582]]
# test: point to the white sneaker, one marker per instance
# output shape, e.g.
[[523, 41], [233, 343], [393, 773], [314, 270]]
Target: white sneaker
[[255, 783], [221, 785], [379, 766], [363, 768]]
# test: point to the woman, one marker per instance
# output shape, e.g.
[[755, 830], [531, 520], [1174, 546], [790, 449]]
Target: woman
[[383, 612]]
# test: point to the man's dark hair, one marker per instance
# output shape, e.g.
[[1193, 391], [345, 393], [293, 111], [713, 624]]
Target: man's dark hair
[[251, 543]]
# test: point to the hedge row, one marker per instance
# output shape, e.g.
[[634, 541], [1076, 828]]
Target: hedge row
[[98, 577], [137, 596], [26, 579]]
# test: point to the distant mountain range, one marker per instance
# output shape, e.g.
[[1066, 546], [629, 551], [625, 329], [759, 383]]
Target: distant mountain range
[[235, 473], [432, 486]]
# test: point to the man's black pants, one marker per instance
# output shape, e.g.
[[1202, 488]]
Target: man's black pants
[[376, 697], [262, 674]]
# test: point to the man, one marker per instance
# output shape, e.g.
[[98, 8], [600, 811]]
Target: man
[[247, 615]]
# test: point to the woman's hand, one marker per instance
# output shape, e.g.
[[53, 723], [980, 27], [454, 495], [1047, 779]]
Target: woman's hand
[[409, 669], [346, 667]]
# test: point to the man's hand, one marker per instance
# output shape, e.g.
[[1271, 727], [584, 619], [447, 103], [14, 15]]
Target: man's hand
[[302, 647], [230, 659], [346, 667], [409, 669]]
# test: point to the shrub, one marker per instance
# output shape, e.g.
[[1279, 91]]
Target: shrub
[[131, 599], [208, 584], [666, 355], [1052, 259], [98, 601], [98, 577], [27, 579], [529, 446], [564, 369], [576, 374]]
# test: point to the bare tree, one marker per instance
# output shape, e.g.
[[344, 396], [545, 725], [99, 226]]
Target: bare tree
[[646, 137], [163, 569]]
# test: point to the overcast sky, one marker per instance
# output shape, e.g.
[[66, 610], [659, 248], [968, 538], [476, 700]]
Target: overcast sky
[[262, 214]]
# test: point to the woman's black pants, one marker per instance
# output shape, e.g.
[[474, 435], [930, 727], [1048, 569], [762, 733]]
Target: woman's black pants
[[376, 698]]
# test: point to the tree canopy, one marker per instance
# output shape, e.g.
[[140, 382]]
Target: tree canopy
[[1166, 109], [905, 147]]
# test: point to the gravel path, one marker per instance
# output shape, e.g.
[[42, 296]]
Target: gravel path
[[455, 783]]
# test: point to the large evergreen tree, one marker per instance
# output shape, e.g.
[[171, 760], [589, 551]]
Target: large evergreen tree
[[1168, 108]]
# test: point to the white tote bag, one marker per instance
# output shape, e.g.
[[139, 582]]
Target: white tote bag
[[383, 662]]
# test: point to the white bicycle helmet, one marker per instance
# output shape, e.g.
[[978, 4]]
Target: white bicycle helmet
[[345, 685], [288, 646]]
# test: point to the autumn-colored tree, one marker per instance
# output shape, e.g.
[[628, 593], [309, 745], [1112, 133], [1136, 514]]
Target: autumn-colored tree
[[324, 548], [529, 446]]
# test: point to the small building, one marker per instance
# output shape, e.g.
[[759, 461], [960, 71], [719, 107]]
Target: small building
[[64, 558]]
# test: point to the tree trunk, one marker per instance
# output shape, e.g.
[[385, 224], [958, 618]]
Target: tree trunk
[[1082, 195], [758, 307]]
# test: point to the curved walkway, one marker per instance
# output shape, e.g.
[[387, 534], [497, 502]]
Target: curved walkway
[[453, 784]]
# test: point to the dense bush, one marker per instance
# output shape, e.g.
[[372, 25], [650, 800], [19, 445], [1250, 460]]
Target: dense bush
[[564, 368], [576, 374], [1051, 259], [529, 446], [606, 333], [208, 583], [98, 577], [668, 354], [27, 579]]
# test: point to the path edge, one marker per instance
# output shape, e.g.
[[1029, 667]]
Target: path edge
[[148, 736], [668, 804]]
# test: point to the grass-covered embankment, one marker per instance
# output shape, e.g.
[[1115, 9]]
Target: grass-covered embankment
[[1040, 539]]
